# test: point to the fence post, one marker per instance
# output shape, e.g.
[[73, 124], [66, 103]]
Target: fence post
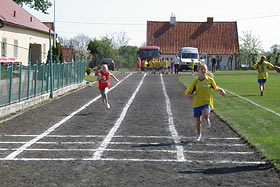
[[51, 67], [35, 79], [28, 80], [11, 84], [20, 82], [42, 67]]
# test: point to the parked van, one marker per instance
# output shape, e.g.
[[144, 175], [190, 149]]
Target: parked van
[[187, 54]]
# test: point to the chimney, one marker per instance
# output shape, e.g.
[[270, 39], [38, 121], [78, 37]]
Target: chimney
[[30, 19], [172, 20], [210, 20], [15, 13]]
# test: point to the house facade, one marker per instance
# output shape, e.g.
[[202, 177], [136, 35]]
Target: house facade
[[217, 40], [23, 36]]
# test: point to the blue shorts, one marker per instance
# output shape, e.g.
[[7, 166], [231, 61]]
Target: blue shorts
[[197, 112], [261, 81]]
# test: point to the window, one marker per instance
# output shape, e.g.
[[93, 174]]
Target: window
[[44, 51], [16, 48], [4, 47]]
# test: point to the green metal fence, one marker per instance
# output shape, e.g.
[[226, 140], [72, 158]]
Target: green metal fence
[[19, 82]]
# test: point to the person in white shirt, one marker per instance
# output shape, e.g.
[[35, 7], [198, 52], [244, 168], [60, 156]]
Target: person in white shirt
[[177, 61]]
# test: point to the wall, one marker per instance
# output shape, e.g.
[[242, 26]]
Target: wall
[[24, 37]]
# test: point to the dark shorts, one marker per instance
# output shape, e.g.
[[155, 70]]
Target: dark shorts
[[197, 112], [261, 81]]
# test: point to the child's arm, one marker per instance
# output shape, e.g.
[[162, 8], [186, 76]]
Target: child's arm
[[116, 79]]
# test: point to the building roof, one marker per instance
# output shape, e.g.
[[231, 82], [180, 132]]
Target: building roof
[[213, 38], [12, 14]]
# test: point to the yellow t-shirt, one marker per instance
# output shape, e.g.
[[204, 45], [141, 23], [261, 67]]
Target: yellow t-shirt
[[262, 69], [202, 92], [192, 64]]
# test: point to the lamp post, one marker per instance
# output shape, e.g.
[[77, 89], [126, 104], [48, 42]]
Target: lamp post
[[54, 42]]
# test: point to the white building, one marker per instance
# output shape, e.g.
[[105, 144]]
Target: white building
[[22, 36]]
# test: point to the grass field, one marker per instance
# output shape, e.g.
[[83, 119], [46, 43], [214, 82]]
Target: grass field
[[256, 118]]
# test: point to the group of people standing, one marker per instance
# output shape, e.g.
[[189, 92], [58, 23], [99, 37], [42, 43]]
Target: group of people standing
[[156, 65]]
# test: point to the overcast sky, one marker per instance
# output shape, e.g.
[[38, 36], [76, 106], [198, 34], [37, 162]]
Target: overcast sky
[[97, 18]]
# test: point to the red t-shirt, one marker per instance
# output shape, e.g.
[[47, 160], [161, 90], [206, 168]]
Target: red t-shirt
[[104, 83]]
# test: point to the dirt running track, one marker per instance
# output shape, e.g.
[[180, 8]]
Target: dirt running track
[[145, 140]]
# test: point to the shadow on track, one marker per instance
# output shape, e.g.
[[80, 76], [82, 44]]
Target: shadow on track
[[227, 170], [163, 144]]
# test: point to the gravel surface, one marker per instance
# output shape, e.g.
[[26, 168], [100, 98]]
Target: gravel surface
[[145, 139]]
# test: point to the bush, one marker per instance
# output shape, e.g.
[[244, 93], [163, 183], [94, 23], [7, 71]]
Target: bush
[[88, 70]]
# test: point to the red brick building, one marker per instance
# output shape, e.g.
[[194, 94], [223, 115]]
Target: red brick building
[[213, 39]]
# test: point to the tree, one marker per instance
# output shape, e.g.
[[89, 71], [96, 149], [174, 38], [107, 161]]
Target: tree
[[57, 54], [79, 43], [119, 39], [275, 53], [101, 49], [127, 56], [39, 5], [250, 47]]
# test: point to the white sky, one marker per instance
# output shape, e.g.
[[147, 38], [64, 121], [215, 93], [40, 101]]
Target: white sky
[[97, 18]]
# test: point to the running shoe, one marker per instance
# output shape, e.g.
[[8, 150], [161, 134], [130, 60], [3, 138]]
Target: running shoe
[[198, 137], [108, 106]]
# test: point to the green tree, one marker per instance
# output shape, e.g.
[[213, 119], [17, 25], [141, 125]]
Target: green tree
[[127, 56], [250, 48], [57, 54], [275, 53], [39, 5], [101, 49]]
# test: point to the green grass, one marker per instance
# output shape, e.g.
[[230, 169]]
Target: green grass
[[90, 78], [258, 126]]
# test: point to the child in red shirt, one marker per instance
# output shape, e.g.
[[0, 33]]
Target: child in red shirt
[[103, 78]]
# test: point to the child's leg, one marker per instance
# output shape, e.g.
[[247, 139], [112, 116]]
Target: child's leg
[[206, 116], [198, 122], [198, 129], [106, 95], [261, 88]]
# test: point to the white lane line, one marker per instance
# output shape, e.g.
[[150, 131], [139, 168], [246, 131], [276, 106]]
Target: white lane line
[[172, 129], [55, 126], [97, 155], [128, 150], [222, 152], [117, 136], [253, 103], [133, 143], [179, 144], [141, 160]]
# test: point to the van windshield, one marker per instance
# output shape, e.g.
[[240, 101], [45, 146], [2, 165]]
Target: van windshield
[[189, 55]]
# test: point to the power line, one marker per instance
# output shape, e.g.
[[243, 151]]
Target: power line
[[99, 23], [258, 17]]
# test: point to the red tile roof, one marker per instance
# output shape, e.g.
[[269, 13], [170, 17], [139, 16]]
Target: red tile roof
[[213, 38], [12, 14]]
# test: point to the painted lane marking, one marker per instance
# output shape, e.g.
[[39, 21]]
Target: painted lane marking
[[172, 129], [97, 155], [141, 160], [136, 144], [55, 126], [116, 136], [127, 150], [253, 103]]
